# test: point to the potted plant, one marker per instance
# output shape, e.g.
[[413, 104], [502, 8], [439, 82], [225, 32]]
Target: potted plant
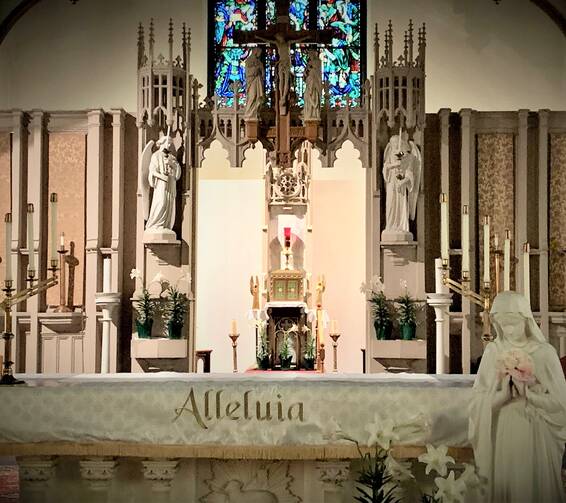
[[285, 356], [262, 355], [174, 312], [379, 307], [310, 352], [145, 309], [407, 316]]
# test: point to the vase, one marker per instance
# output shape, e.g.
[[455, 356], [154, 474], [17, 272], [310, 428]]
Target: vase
[[408, 331], [382, 330], [309, 363], [262, 363], [286, 362], [174, 330], [144, 329]]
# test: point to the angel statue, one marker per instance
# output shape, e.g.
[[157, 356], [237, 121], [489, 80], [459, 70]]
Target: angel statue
[[254, 290], [402, 173], [254, 84], [160, 171], [320, 288]]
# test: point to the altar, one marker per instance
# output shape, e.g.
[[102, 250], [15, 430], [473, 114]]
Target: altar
[[178, 432]]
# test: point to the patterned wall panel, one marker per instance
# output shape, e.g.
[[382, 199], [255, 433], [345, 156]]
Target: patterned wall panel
[[496, 190], [67, 171], [557, 230], [5, 184]]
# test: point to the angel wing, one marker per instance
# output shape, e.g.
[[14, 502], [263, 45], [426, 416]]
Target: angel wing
[[417, 167], [143, 177]]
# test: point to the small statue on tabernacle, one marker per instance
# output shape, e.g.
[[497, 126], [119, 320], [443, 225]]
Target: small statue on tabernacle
[[254, 84], [254, 290], [313, 87], [320, 288]]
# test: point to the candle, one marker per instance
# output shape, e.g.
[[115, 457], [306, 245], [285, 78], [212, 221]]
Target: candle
[[62, 242], [234, 328], [527, 271], [399, 142], [507, 261], [106, 275], [53, 204], [444, 227], [31, 252], [486, 249], [496, 241], [465, 240], [8, 257], [333, 327]]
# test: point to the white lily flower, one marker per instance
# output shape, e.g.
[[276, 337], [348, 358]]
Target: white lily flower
[[382, 432], [332, 430], [469, 477], [294, 328], [449, 489], [159, 278], [400, 471], [436, 459], [135, 274]]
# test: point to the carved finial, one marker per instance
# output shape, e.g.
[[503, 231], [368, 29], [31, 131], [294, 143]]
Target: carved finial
[[411, 42], [389, 44], [141, 45], [151, 39], [406, 47], [376, 46], [170, 41], [422, 45]]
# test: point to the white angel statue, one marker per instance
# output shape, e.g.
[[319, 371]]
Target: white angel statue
[[159, 170], [402, 164]]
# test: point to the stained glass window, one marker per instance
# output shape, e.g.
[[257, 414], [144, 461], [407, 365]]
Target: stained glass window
[[342, 61]]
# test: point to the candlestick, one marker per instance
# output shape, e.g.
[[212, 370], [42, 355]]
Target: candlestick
[[486, 250], [62, 307], [319, 327], [31, 252], [234, 337], [8, 247], [106, 275], [444, 227], [53, 205], [527, 271], [507, 261], [321, 356], [335, 336], [465, 240]]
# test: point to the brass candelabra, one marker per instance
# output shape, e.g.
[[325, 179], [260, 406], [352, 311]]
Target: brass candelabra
[[11, 300]]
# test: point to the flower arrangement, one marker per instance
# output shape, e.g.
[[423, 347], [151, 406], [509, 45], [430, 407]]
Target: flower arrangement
[[262, 352], [406, 313], [518, 365], [174, 311], [310, 350], [379, 307], [144, 307], [285, 355]]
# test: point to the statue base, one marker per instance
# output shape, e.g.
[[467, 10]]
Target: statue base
[[159, 236], [252, 129], [389, 236], [311, 130]]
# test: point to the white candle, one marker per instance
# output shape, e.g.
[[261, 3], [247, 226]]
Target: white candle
[[507, 261], [438, 283], [53, 205], [444, 227], [465, 240], [399, 142], [319, 327], [527, 271], [486, 250], [234, 328], [106, 275], [8, 247], [62, 241], [31, 252], [333, 327]]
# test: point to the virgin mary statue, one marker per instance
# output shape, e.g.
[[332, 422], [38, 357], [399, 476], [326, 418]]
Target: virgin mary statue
[[517, 423]]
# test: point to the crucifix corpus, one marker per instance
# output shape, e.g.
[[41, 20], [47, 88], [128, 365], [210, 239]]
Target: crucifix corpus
[[280, 37]]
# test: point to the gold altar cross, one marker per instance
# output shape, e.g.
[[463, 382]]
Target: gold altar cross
[[280, 36]]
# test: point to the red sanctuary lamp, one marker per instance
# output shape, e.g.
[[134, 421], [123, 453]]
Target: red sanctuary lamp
[[287, 234]]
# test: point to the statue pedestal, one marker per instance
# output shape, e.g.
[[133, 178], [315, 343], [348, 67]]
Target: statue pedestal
[[396, 237], [398, 356], [399, 263], [159, 236], [252, 129], [311, 130], [159, 354]]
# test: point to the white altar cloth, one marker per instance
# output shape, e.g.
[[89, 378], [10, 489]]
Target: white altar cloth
[[284, 409]]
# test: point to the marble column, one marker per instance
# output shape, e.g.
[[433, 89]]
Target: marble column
[[521, 199], [332, 475], [543, 179], [94, 204], [98, 474], [35, 476], [441, 303], [160, 473]]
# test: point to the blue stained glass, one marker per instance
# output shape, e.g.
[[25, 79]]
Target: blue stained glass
[[299, 14], [343, 16], [342, 71]]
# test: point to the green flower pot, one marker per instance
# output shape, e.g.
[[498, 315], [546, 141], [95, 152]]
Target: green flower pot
[[174, 330], [263, 363], [286, 362], [144, 329], [408, 331], [382, 331], [309, 363]]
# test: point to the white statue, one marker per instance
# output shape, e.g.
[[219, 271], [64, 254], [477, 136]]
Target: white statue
[[518, 412], [313, 87], [402, 173], [254, 84], [160, 171]]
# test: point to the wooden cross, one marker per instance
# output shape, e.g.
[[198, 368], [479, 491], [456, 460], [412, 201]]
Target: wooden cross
[[280, 36]]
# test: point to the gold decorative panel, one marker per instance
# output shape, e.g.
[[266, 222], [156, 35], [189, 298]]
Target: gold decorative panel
[[496, 194], [557, 230], [5, 202], [67, 171]]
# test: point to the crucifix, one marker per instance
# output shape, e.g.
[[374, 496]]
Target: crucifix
[[281, 36]]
